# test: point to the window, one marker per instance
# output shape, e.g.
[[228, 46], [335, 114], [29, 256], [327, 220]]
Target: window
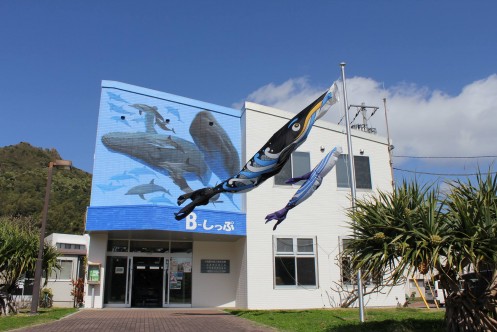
[[362, 172], [117, 245], [65, 272], [298, 165], [349, 277], [346, 271], [295, 262], [70, 246]]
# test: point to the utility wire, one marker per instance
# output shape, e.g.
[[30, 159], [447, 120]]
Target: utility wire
[[442, 174], [454, 157]]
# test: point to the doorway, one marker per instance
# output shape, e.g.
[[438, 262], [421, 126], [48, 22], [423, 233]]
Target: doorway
[[148, 274], [147, 282]]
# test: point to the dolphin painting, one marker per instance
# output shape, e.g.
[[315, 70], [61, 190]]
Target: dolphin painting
[[172, 142], [213, 141], [269, 160], [116, 97], [142, 108], [109, 187], [122, 177], [148, 188], [142, 171], [177, 169], [118, 109], [152, 116], [313, 180], [163, 125], [174, 111], [153, 150]]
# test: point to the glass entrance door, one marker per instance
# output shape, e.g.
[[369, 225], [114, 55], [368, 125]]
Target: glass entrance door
[[117, 276], [148, 274], [147, 289]]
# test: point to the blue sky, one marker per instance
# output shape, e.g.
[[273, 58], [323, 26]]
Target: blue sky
[[434, 61]]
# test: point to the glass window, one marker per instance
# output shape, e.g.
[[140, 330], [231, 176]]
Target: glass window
[[181, 247], [65, 272], [117, 245], [298, 165], [284, 245], [305, 245], [306, 271], [295, 262], [362, 172], [150, 246], [284, 174], [285, 271], [301, 164], [349, 277]]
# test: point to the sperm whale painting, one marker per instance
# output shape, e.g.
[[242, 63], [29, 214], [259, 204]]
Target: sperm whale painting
[[217, 148], [313, 180], [269, 160]]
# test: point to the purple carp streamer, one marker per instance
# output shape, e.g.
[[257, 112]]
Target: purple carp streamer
[[270, 159], [313, 180]]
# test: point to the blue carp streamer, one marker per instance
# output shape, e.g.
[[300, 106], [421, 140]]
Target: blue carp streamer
[[312, 183]]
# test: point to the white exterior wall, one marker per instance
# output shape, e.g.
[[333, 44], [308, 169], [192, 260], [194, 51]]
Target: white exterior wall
[[321, 216], [55, 238], [96, 254], [61, 288], [216, 289]]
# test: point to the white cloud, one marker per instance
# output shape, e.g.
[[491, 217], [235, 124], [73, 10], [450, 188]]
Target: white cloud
[[421, 122]]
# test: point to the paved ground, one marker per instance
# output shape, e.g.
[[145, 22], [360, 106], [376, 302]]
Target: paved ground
[[144, 320]]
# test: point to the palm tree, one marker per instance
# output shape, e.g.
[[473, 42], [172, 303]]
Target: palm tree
[[18, 255], [419, 229]]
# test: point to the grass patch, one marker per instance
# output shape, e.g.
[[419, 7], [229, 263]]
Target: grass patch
[[347, 320], [24, 319]]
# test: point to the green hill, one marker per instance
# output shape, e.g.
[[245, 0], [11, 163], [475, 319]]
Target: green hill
[[23, 179]]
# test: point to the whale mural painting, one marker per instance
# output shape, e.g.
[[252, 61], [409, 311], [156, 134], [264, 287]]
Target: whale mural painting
[[213, 141], [159, 142], [158, 153]]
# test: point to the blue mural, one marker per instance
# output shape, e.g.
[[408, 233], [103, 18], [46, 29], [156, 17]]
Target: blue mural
[[153, 147]]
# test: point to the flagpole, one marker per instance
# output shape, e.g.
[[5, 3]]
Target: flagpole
[[352, 182], [390, 146]]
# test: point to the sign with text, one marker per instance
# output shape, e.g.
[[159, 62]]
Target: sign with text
[[214, 266]]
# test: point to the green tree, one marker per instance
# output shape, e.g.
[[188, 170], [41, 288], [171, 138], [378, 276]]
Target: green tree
[[23, 177], [19, 244], [420, 229]]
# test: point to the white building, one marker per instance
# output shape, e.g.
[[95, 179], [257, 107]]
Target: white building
[[72, 249], [223, 254]]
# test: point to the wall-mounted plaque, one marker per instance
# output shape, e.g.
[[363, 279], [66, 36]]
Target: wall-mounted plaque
[[214, 266]]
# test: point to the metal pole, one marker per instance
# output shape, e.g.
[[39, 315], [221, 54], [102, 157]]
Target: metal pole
[[390, 146], [352, 182], [39, 261]]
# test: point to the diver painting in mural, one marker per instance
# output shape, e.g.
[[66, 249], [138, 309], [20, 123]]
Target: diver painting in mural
[[270, 159], [313, 180]]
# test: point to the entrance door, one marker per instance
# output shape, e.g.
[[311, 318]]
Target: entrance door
[[116, 276], [147, 282]]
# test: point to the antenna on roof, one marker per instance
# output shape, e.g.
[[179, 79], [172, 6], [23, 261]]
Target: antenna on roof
[[363, 109]]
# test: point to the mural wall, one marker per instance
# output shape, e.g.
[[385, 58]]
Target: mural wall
[[152, 147]]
